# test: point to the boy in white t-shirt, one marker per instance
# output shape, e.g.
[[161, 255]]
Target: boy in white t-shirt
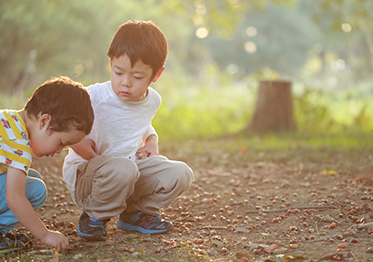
[[117, 169]]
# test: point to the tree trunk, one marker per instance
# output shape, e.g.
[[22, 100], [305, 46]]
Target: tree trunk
[[274, 108]]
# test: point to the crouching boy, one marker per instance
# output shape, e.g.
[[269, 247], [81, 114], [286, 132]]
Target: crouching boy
[[117, 169], [58, 114]]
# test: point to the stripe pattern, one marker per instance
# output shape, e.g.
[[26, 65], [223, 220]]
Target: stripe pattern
[[15, 146]]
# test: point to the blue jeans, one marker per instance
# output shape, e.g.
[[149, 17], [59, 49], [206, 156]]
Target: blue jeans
[[36, 193]]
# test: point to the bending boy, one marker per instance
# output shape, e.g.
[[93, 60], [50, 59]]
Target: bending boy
[[58, 114], [117, 169]]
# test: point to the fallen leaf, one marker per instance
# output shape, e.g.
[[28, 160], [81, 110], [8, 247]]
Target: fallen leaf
[[280, 250], [293, 257], [271, 248], [332, 254], [78, 256], [328, 172]]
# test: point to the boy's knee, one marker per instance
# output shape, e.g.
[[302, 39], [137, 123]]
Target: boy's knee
[[126, 171], [33, 173], [185, 174], [36, 192]]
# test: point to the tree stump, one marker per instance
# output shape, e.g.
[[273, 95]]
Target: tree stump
[[274, 108]]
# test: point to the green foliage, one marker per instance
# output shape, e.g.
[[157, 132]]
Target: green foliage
[[12, 102], [273, 41], [216, 105], [205, 110], [202, 109], [45, 38], [222, 17], [42, 39], [311, 112], [203, 95]]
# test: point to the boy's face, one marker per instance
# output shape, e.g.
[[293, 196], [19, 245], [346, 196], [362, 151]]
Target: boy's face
[[130, 84], [46, 142]]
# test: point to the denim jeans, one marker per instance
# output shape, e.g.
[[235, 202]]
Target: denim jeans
[[36, 193]]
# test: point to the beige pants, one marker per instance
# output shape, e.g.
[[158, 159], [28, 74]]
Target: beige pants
[[108, 185]]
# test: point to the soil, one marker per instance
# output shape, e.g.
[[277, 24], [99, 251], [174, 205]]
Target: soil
[[242, 206]]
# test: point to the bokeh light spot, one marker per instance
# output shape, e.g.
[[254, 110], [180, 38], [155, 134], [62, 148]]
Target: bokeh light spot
[[251, 31], [250, 47], [202, 32], [346, 27], [79, 69]]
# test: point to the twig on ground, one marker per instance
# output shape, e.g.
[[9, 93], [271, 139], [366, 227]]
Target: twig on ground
[[290, 208], [337, 236], [214, 227], [317, 228], [366, 225]]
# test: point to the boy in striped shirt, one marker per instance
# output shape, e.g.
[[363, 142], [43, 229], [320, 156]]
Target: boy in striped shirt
[[58, 114]]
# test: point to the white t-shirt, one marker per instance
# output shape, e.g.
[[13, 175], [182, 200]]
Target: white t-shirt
[[119, 128]]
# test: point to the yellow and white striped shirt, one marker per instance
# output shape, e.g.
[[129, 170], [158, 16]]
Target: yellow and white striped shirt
[[15, 146]]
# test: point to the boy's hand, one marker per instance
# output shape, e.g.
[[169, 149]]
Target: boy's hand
[[85, 148], [56, 239], [149, 149], [24, 212]]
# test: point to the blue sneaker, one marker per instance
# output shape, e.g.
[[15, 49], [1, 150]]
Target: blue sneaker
[[144, 223], [8, 245], [92, 229], [26, 241]]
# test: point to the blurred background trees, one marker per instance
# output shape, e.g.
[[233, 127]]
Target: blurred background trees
[[216, 48]]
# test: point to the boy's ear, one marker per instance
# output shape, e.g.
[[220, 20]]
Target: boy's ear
[[158, 75], [44, 121]]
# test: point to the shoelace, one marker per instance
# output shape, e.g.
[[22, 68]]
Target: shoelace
[[146, 220], [95, 222]]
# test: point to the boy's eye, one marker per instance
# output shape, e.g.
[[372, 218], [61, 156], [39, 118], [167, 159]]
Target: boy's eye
[[139, 77], [118, 73]]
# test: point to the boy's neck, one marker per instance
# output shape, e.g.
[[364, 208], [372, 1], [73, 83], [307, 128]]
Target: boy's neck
[[23, 114]]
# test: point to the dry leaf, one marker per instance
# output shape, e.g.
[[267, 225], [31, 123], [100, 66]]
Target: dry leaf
[[328, 172], [271, 248]]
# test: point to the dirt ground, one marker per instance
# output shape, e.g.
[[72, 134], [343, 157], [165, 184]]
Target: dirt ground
[[242, 206]]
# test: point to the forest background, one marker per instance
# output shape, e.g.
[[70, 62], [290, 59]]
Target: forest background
[[218, 53]]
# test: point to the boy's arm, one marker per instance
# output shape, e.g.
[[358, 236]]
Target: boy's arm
[[150, 147], [24, 212], [85, 148]]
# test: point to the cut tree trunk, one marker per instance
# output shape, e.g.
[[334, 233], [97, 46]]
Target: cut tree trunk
[[274, 108]]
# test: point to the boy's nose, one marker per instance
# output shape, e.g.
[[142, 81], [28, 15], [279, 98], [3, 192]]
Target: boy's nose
[[126, 81]]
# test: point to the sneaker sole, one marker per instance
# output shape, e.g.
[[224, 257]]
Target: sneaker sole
[[96, 236], [128, 227]]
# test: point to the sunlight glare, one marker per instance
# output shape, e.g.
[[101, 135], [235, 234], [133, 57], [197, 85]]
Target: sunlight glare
[[251, 31], [250, 47], [79, 69], [202, 32], [346, 27]]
